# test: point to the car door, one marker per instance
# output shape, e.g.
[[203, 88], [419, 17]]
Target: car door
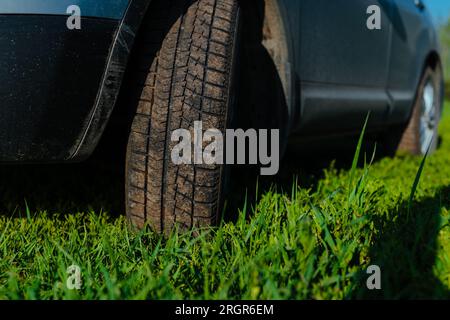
[[343, 65], [413, 40]]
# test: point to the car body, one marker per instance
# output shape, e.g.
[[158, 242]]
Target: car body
[[58, 87], [309, 68], [347, 70]]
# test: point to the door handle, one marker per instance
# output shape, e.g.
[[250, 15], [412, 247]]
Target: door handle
[[419, 4]]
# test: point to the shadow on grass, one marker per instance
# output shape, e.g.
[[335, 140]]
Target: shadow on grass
[[404, 247], [303, 167], [96, 184], [406, 252]]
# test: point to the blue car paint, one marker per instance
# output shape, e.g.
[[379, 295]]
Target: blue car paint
[[113, 9]]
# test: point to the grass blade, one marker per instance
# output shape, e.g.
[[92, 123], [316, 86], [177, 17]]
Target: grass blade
[[417, 181], [356, 158]]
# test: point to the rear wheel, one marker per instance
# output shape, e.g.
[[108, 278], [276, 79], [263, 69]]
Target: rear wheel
[[421, 134], [190, 77]]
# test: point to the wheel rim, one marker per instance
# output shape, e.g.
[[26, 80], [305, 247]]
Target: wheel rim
[[428, 117]]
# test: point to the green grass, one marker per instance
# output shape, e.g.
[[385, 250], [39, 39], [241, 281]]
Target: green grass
[[314, 241]]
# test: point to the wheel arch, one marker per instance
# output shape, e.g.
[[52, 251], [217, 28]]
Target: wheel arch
[[279, 44], [434, 61], [112, 80]]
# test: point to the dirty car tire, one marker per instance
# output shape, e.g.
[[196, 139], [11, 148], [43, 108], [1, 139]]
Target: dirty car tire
[[410, 138], [186, 56]]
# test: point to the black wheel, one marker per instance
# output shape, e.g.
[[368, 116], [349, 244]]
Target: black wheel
[[185, 73]]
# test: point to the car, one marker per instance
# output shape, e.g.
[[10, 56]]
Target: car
[[311, 69]]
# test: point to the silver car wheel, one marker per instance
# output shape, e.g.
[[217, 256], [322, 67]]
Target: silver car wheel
[[428, 118]]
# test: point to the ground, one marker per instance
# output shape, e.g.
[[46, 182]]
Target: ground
[[315, 239]]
